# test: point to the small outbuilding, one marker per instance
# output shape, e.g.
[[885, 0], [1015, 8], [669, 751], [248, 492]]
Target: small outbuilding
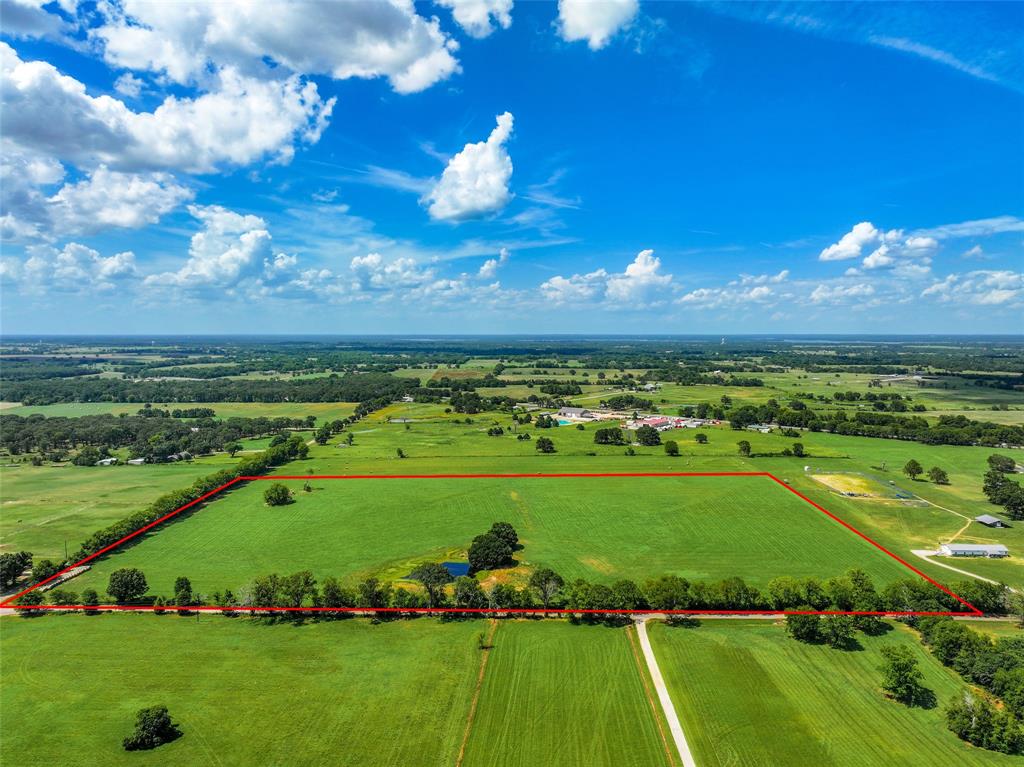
[[988, 519], [992, 551]]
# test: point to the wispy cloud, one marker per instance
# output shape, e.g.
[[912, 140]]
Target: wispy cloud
[[982, 227], [982, 40]]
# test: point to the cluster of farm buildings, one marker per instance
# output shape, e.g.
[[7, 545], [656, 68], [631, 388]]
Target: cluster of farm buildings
[[658, 422]]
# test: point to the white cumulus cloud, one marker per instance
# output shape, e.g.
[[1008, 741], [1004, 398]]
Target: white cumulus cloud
[[852, 243], [74, 268], [641, 280], [489, 268], [979, 288], [240, 122], [889, 247], [475, 16], [229, 248], [185, 39], [475, 183], [112, 199], [595, 21], [641, 284], [837, 294]]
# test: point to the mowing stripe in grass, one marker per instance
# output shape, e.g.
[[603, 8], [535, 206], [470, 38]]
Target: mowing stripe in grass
[[485, 653]]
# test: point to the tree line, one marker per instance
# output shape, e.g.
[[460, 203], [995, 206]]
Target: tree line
[[147, 436], [949, 430], [546, 589], [1000, 489], [992, 719], [351, 387]]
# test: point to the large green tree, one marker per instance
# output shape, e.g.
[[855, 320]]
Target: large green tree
[[434, 577], [127, 584], [913, 469], [488, 552], [648, 435], [901, 677]]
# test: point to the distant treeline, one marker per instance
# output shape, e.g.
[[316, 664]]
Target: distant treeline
[[351, 387], [151, 437], [950, 430]]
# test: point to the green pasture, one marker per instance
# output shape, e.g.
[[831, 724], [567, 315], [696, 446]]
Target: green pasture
[[596, 528], [559, 694], [44, 506], [748, 695], [344, 693], [438, 442]]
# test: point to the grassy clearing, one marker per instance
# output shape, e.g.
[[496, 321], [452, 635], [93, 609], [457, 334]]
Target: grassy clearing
[[998, 629], [44, 506], [597, 528], [559, 694], [346, 693], [749, 695]]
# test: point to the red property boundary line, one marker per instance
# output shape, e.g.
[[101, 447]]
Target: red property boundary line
[[972, 610]]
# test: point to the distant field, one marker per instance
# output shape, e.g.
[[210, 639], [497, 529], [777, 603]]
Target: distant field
[[748, 695], [597, 528], [322, 410], [554, 693], [44, 506], [342, 693]]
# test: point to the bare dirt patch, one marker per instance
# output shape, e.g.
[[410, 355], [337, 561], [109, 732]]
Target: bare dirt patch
[[849, 484]]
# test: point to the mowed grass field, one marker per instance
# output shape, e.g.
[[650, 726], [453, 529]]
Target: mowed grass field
[[344, 693], [44, 506], [749, 696], [559, 694], [599, 528], [436, 442]]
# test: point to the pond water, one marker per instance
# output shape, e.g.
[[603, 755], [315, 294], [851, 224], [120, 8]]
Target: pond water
[[456, 568]]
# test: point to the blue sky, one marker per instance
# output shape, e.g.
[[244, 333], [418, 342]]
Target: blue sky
[[500, 167]]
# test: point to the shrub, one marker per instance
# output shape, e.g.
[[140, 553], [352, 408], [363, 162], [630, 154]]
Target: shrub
[[277, 495], [153, 727]]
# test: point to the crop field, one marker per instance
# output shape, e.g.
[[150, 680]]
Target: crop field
[[554, 693], [747, 694], [601, 529], [243, 692]]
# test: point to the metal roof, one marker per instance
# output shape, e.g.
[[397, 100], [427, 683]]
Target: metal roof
[[988, 519], [992, 548]]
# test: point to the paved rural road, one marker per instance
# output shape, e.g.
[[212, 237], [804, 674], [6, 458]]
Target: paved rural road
[[666, 702]]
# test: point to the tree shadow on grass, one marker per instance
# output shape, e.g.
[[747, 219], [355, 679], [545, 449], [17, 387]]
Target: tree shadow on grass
[[852, 645], [683, 621]]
